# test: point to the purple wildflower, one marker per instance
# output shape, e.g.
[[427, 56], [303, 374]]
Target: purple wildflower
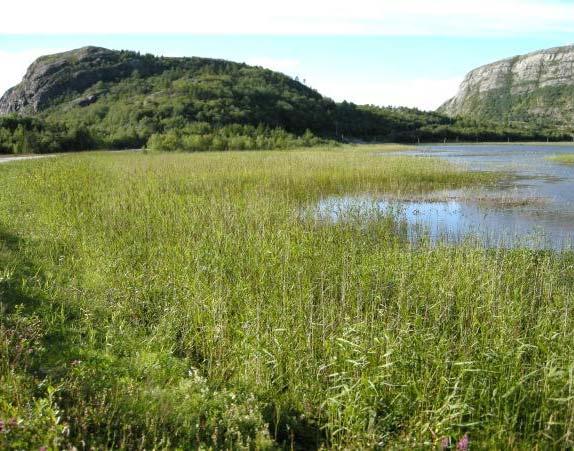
[[1, 426], [463, 443], [43, 448]]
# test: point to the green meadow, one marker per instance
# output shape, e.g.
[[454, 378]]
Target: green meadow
[[195, 301]]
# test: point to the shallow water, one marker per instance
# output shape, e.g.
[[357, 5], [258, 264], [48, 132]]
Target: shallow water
[[540, 213]]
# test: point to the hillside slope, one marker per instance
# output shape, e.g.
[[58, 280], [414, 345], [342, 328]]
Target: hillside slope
[[537, 87], [93, 97], [145, 92], [126, 97]]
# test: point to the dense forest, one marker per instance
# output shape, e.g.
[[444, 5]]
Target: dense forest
[[38, 135], [103, 99]]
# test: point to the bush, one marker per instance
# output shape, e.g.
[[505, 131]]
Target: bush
[[168, 142], [201, 136]]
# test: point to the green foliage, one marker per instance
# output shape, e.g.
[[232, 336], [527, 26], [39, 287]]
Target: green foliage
[[35, 425], [232, 137], [29, 416], [566, 158], [165, 102], [35, 135], [544, 107], [174, 94], [195, 301], [470, 130]]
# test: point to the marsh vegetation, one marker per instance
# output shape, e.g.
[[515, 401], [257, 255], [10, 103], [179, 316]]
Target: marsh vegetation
[[566, 158], [189, 300]]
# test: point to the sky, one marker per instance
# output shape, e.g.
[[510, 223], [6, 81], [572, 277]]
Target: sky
[[383, 52]]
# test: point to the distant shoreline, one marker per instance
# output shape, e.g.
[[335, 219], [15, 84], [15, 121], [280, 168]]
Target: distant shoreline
[[498, 143]]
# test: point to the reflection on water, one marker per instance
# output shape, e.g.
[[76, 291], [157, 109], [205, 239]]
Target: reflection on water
[[536, 175], [455, 221], [547, 224]]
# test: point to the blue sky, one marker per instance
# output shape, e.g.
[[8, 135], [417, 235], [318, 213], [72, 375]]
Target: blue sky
[[362, 56]]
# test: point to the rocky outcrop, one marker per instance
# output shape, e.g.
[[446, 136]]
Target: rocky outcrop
[[67, 74], [538, 86]]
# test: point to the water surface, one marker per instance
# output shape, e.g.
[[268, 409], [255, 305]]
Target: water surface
[[533, 207]]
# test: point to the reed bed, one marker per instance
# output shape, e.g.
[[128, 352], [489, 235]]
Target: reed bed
[[566, 158], [192, 301]]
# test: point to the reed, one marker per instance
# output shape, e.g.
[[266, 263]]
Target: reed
[[193, 301], [566, 158]]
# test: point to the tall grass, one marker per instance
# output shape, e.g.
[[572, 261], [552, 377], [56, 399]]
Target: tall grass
[[161, 301], [566, 158]]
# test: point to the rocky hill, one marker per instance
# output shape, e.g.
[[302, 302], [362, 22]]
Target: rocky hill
[[536, 87], [51, 77], [121, 98], [94, 81]]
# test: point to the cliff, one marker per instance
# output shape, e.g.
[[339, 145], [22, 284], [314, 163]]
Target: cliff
[[536, 87], [52, 77]]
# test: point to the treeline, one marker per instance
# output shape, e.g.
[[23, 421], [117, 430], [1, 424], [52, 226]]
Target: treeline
[[408, 125], [465, 130], [203, 136], [34, 135]]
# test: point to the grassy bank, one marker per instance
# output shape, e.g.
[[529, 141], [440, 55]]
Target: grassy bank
[[177, 300]]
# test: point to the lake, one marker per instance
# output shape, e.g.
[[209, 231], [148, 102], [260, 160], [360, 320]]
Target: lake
[[533, 207]]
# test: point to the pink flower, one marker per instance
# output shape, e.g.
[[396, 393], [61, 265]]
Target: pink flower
[[463, 443]]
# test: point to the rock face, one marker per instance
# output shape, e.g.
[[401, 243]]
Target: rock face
[[65, 74], [535, 87], [122, 98]]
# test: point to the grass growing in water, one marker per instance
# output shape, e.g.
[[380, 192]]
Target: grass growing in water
[[185, 301], [566, 158]]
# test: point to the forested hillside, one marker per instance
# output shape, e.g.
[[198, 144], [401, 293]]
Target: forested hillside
[[98, 98]]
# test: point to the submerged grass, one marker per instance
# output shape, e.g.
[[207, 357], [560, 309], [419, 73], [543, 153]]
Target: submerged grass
[[162, 301]]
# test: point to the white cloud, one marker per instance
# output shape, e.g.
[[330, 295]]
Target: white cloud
[[342, 17], [425, 94]]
